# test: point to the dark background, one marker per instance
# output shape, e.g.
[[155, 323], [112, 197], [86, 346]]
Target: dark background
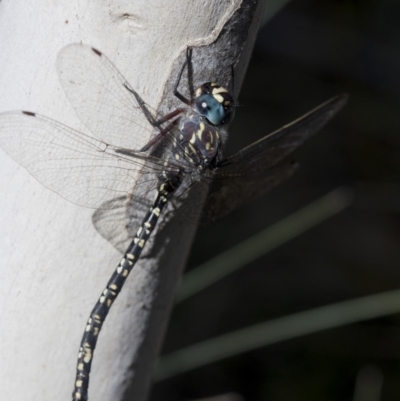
[[310, 51]]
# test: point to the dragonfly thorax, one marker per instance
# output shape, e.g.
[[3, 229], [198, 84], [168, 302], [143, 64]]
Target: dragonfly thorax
[[214, 103], [200, 141]]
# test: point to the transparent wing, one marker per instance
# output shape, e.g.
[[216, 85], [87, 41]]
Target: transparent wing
[[119, 220], [81, 169], [98, 93], [259, 167], [244, 177], [274, 147], [228, 194]]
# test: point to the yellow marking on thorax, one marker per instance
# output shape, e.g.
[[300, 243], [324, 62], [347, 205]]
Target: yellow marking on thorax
[[219, 90], [218, 98], [193, 139]]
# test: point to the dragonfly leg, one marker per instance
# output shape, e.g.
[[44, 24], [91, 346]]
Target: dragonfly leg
[[157, 123], [150, 118], [176, 91], [160, 135], [233, 81], [169, 116]]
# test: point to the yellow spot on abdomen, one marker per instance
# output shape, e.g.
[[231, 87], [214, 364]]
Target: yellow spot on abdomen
[[88, 355]]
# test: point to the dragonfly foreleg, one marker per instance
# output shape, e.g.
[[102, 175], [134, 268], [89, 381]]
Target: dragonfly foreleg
[[176, 91], [160, 135]]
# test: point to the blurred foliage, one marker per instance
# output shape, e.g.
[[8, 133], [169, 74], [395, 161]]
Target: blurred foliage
[[308, 52]]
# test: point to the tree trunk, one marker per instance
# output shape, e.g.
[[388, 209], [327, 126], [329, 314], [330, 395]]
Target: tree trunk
[[54, 264]]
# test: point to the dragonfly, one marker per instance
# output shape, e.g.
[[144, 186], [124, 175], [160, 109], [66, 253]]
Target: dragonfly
[[117, 167]]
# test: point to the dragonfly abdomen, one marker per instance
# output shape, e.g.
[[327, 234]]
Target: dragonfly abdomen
[[115, 284]]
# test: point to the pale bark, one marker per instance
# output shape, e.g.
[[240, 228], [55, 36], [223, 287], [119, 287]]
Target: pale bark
[[54, 265]]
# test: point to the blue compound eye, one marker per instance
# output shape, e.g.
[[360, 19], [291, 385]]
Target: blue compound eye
[[210, 108], [214, 103]]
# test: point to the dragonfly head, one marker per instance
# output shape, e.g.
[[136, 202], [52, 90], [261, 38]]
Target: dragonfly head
[[215, 103]]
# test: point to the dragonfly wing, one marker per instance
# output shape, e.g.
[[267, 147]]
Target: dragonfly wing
[[261, 166], [228, 193], [98, 92], [274, 147], [119, 219], [81, 169]]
